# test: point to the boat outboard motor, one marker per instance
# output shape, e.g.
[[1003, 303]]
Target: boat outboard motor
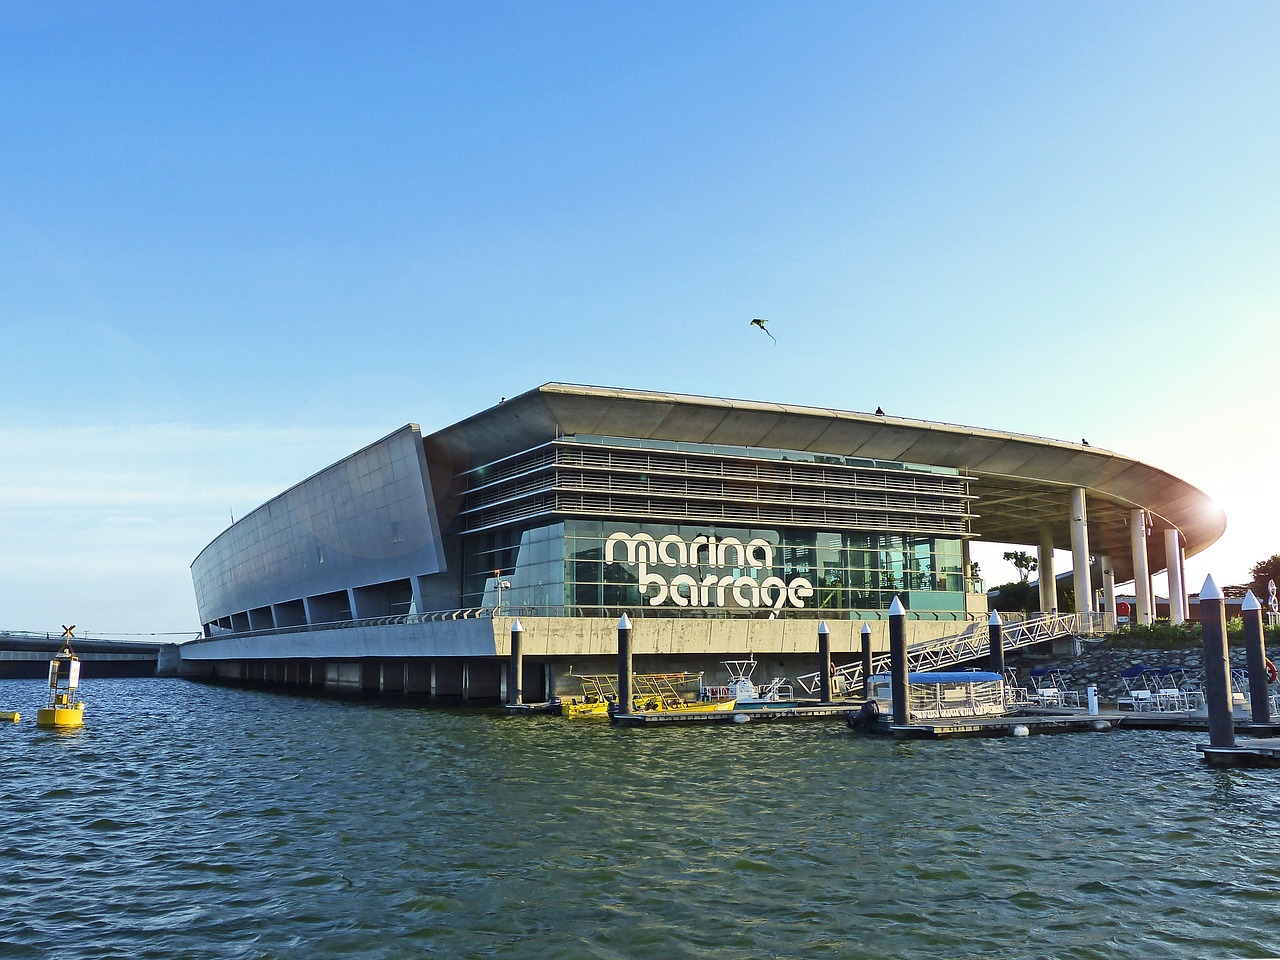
[[866, 716]]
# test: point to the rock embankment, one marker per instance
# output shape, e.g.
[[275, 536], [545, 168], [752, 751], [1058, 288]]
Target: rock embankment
[[1102, 663]]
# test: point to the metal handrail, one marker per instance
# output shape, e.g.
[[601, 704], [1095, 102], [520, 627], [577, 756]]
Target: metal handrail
[[972, 644], [438, 616]]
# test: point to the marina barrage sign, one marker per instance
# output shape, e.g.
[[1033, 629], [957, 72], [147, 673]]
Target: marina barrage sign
[[759, 589]]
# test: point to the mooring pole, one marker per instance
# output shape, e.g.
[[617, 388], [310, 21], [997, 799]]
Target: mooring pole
[[624, 666], [1255, 648], [995, 644], [866, 660], [824, 659], [515, 668], [1217, 670], [898, 662]]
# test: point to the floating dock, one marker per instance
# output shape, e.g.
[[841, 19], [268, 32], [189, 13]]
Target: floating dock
[[945, 728], [1194, 720], [817, 711], [1249, 753], [525, 709], [1002, 726]]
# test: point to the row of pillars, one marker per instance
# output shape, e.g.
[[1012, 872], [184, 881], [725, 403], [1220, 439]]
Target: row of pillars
[[1139, 525], [1213, 620], [515, 667], [897, 658], [826, 695], [1217, 665]]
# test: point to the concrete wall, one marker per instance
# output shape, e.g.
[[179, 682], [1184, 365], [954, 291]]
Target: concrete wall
[[565, 637], [561, 637], [455, 638], [370, 518]]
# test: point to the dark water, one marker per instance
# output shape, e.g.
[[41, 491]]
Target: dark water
[[187, 821]]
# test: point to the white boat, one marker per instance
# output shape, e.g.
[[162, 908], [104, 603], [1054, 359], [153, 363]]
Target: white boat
[[954, 694], [777, 693]]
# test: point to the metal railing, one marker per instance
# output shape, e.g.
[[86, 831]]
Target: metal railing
[[972, 644], [474, 613], [608, 612]]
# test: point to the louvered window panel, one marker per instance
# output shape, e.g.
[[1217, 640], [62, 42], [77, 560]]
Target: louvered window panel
[[574, 478]]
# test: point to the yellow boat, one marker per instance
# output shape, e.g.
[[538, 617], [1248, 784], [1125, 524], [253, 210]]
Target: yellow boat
[[586, 709], [658, 693], [65, 709], [600, 708], [598, 691], [697, 706], [653, 691]]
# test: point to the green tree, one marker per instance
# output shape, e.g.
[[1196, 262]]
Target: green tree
[[1025, 563], [1018, 597], [1260, 573]]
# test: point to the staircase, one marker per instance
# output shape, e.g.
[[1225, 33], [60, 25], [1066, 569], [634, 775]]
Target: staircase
[[972, 644]]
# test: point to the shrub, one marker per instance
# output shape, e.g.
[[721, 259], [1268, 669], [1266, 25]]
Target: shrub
[[1163, 635]]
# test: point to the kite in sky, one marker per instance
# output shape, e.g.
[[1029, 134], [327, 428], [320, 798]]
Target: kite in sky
[[757, 322]]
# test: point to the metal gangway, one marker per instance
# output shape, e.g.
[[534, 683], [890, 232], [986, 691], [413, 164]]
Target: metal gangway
[[974, 643]]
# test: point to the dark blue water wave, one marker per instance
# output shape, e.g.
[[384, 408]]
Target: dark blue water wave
[[187, 821]]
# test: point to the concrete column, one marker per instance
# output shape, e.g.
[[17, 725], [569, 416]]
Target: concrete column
[[866, 660], [824, 659], [1182, 573], [898, 662], [1255, 648], [995, 644], [515, 668], [1080, 552], [1109, 590], [1141, 566], [1217, 669], [1177, 595], [1048, 575], [624, 665]]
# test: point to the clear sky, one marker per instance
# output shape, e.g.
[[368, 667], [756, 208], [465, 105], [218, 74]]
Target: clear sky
[[239, 240]]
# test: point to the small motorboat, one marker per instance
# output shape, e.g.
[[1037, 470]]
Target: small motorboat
[[777, 694]]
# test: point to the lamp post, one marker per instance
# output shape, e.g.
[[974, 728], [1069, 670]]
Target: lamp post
[[500, 586]]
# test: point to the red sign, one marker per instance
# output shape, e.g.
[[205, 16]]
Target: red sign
[[1122, 609]]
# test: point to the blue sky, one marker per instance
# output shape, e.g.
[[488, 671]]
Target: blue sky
[[240, 240]]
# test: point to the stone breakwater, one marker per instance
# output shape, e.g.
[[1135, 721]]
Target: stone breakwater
[[1102, 663]]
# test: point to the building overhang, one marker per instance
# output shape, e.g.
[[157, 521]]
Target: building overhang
[[1022, 483]]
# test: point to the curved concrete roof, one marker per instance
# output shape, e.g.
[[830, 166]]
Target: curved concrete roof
[[1022, 482]]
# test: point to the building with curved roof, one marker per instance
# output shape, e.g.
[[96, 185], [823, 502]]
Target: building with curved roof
[[714, 524]]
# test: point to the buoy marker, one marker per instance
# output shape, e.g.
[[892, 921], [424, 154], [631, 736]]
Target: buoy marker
[[64, 709]]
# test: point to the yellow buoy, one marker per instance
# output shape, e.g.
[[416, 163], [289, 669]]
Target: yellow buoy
[[65, 708], [13, 715]]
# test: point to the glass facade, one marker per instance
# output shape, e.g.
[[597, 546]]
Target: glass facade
[[594, 526], [593, 568]]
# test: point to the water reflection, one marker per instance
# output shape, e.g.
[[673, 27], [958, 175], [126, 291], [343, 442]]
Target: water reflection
[[192, 821]]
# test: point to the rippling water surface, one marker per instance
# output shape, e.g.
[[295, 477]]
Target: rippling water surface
[[188, 821]]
